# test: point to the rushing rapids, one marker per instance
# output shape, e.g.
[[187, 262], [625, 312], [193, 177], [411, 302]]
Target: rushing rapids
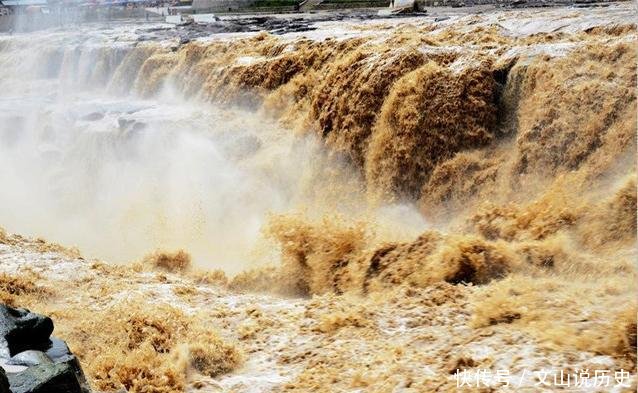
[[392, 200]]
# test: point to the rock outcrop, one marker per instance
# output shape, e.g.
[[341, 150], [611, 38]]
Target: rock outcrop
[[32, 361], [4, 382]]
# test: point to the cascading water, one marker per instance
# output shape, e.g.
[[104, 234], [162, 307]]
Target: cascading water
[[87, 161], [512, 132]]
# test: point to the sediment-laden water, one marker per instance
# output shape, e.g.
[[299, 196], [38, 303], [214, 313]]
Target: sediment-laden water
[[397, 181]]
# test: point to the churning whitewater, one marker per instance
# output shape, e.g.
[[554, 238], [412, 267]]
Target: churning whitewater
[[166, 171], [367, 207]]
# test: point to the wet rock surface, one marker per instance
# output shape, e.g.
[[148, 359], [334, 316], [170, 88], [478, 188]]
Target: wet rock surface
[[273, 25], [21, 329], [49, 378], [4, 382], [30, 358], [190, 31], [245, 24], [32, 361]]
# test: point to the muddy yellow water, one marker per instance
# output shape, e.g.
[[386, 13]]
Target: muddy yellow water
[[365, 208]]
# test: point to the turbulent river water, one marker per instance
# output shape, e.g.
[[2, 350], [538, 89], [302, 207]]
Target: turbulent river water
[[426, 194], [87, 161]]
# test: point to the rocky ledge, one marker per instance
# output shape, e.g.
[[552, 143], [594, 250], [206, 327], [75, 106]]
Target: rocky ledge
[[32, 361]]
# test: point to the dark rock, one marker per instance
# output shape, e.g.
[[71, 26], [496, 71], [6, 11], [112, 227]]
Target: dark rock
[[20, 330], [95, 116], [25, 341], [58, 351], [4, 382], [139, 126], [64, 377], [124, 123], [30, 358]]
